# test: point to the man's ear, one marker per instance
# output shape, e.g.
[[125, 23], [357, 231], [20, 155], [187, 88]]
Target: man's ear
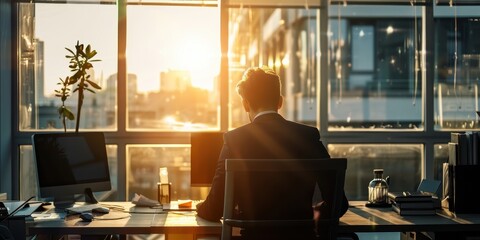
[[246, 105], [280, 102]]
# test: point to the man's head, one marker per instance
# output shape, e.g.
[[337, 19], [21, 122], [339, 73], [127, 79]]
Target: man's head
[[260, 90]]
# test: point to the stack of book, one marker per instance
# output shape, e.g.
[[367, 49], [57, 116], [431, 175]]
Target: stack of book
[[413, 203], [460, 172]]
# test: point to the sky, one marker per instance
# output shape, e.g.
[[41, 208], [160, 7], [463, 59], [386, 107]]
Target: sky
[[158, 39]]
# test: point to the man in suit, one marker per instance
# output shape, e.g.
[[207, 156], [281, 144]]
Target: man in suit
[[267, 136]]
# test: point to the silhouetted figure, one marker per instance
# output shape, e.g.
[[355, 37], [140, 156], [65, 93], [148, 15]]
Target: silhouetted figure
[[267, 136]]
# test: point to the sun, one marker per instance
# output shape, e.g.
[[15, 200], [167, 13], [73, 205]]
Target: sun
[[201, 59]]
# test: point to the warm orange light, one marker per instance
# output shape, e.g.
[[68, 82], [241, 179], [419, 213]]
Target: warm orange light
[[169, 120]]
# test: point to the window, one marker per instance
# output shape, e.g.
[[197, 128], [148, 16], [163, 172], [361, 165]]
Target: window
[[457, 62], [402, 163], [144, 163], [45, 31], [284, 39], [172, 81], [363, 74], [374, 80]]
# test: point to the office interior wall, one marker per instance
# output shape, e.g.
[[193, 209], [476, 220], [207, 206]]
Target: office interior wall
[[5, 96]]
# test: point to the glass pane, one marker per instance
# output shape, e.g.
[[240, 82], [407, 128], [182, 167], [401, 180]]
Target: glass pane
[[286, 41], [29, 182], [457, 64], [401, 162], [374, 68], [173, 63], [45, 30], [143, 167]]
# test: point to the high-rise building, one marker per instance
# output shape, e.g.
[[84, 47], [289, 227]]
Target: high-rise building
[[175, 80]]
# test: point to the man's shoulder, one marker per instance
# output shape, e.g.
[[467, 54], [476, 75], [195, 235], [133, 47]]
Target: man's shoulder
[[301, 126], [238, 130], [281, 124]]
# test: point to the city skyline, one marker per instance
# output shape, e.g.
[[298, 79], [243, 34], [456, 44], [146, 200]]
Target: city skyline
[[167, 47]]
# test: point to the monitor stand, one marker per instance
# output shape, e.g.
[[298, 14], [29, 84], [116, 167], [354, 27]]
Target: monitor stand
[[62, 202], [67, 201], [89, 197]]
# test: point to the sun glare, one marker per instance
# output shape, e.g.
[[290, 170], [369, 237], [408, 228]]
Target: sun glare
[[181, 45], [201, 59]]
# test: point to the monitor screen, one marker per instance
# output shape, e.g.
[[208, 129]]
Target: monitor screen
[[205, 149], [70, 163]]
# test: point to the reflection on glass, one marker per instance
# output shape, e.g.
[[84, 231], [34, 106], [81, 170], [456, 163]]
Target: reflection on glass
[[457, 63], [173, 64], [374, 77], [28, 174], [144, 162], [286, 41], [43, 62], [402, 162]]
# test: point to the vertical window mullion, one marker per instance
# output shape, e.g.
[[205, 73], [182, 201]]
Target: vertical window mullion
[[224, 72], [428, 86], [322, 82], [122, 98], [122, 68]]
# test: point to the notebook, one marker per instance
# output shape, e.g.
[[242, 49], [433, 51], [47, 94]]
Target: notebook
[[25, 211], [181, 205]]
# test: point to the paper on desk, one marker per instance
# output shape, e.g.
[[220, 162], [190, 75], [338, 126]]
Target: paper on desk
[[48, 216], [143, 201]]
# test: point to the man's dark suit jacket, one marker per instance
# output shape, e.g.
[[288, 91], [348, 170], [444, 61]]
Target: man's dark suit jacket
[[269, 136]]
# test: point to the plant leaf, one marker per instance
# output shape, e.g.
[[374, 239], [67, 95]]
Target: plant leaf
[[67, 113], [96, 86], [92, 54], [87, 65], [70, 51], [90, 90]]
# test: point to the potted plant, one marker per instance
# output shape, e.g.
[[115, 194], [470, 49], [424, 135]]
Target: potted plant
[[80, 61]]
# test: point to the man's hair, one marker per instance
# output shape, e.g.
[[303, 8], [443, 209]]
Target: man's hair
[[260, 87]]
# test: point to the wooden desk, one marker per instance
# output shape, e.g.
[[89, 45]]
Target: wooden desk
[[141, 221], [362, 219], [153, 221]]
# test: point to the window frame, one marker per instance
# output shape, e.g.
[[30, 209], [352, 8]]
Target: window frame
[[11, 140]]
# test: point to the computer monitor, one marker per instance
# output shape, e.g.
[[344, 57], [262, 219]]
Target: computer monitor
[[69, 164], [205, 149]]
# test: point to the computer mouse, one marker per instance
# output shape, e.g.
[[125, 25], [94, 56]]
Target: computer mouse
[[101, 210], [86, 217]]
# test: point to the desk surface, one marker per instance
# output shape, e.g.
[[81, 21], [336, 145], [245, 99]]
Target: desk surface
[[363, 219], [357, 219], [141, 221]]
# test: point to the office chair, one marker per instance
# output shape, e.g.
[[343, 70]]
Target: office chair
[[5, 233], [269, 192]]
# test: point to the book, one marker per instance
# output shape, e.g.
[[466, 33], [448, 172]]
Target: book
[[475, 153], [463, 147], [413, 212], [453, 157], [447, 201], [414, 205], [411, 196]]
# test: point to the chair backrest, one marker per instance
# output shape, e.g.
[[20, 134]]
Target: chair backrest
[[277, 193]]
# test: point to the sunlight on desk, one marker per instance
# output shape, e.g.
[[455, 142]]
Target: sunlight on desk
[[368, 223]]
